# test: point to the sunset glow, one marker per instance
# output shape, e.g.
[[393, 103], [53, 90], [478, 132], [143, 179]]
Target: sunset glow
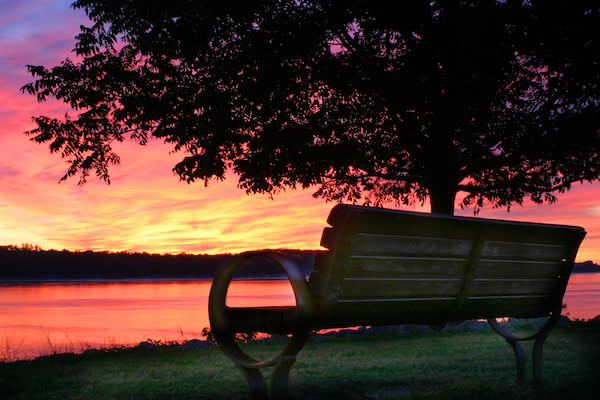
[[146, 207]]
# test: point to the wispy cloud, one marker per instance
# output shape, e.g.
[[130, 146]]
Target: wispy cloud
[[594, 210], [8, 171]]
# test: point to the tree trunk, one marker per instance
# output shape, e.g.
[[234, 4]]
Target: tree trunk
[[442, 197]]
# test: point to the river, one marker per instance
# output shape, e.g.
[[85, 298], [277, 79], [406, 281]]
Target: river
[[57, 317]]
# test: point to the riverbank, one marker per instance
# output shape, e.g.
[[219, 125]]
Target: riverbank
[[465, 363]]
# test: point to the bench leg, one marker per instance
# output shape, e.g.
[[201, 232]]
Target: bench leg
[[256, 383], [537, 357], [521, 360], [281, 377], [539, 337], [250, 368]]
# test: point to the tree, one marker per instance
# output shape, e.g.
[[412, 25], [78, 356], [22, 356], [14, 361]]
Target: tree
[[373, 103]]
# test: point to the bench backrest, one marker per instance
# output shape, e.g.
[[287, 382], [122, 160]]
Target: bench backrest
[[388, 266]]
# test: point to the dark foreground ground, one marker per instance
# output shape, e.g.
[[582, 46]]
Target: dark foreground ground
[[384, 365]]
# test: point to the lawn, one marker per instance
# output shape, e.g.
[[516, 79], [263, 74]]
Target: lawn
[[457, 365]]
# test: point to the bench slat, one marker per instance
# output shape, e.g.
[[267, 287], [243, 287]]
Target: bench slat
[[517, 268], [523, 251], [401, 300], [424, 310], [506, 306], [382, 287], [349, 312], [382, 244], [406, 265], [491, 287]]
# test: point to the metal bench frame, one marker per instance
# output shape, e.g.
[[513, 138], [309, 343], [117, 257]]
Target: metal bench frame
[[316, 297]]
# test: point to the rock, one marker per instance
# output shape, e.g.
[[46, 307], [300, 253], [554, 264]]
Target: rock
[[147, 346], [415, 329], [93, 351], [195, 344], [58, 355], [594, 321], [454, 326], [396, 330], [363, 331], [534, 323], [277, 338], [564, 321], [477, 326], [466, 326], [319, 338]]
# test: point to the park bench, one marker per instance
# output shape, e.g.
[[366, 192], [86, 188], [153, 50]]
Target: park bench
[[387, 267]]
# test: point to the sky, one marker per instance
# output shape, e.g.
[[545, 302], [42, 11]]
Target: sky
[[146, 207]]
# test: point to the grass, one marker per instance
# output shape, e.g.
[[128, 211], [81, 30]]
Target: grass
[[470, 365]]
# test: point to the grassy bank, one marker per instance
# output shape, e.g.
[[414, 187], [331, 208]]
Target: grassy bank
[[471, 365]]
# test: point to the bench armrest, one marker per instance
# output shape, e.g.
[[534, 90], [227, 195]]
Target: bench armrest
[[224, 330]]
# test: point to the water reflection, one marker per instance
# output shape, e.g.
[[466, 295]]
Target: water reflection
[[60, 317], [42, 318], [582, 298]]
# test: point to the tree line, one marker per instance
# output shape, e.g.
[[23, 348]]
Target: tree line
[[33, 263], [25, 263]]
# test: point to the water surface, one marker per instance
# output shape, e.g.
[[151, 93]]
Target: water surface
[[45, 318]]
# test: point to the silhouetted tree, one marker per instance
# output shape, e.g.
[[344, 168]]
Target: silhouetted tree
[[367, 101]]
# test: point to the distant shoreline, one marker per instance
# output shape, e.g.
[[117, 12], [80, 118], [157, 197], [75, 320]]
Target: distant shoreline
[[132, 280], [4, 282], [64, 266]]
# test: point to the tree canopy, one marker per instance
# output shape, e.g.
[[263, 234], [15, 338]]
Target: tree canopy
[[366, 101]]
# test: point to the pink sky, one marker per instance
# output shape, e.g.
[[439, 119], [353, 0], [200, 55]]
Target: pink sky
[[147, 208]]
